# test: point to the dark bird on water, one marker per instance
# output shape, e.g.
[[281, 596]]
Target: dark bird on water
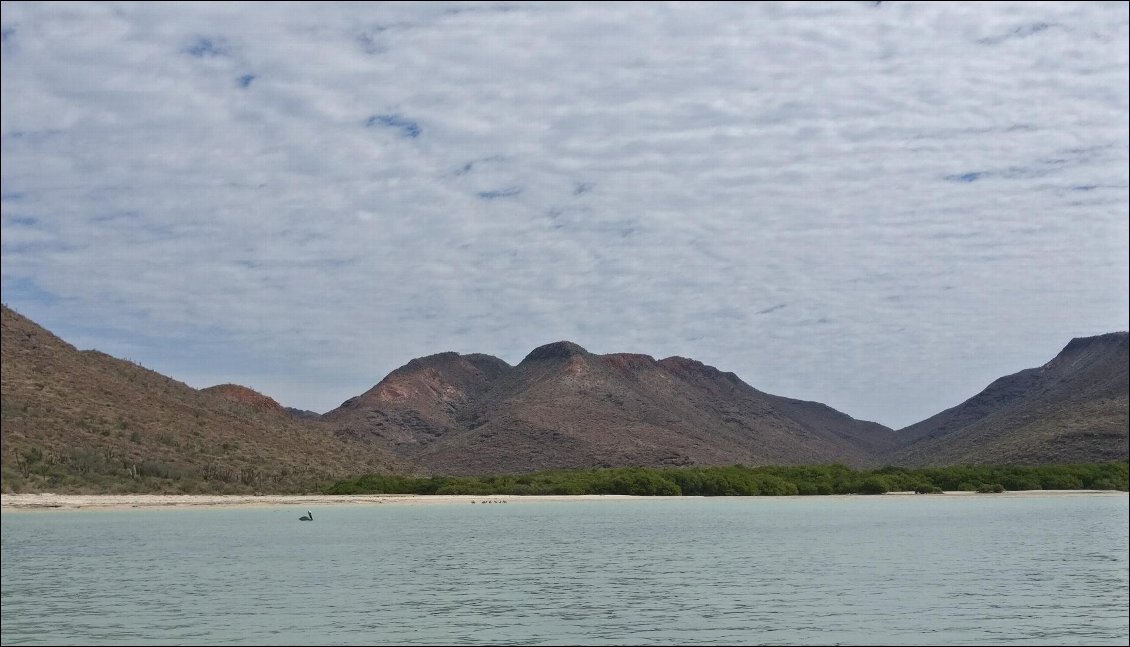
[[308, 517]]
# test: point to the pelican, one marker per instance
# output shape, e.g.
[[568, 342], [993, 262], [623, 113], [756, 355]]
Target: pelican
[[309, 516]]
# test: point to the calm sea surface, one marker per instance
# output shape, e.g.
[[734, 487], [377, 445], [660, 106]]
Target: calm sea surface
[[821, 570]]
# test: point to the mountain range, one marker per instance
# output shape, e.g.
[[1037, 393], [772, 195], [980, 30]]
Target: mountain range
[[562, 406], [84, 420]]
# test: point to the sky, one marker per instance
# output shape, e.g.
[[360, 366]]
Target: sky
[[878, 206]]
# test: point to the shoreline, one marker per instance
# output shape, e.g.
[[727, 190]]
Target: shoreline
[[47, 501], [16, 502]]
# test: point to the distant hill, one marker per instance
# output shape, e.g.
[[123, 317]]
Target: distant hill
[[250, 397], [247, 397], [565, 407], [1071, 410], [303, 414], [82, 420]]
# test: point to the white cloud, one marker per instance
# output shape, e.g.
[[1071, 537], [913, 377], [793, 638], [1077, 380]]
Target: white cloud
[[937, 193]]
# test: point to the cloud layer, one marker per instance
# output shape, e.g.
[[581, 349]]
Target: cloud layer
[[882, 208]]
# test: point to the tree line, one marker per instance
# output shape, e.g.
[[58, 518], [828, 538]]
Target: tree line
[[739, 480]]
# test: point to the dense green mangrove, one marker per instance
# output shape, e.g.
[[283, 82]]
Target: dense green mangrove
[[738, 480]]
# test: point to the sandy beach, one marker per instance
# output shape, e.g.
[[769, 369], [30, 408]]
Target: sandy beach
[[11, 502], [104, 501]]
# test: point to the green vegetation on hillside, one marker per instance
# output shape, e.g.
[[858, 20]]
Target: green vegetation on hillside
[[738, 480], [103, 470]]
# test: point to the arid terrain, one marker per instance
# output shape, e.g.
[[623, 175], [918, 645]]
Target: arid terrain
[[83, 421]]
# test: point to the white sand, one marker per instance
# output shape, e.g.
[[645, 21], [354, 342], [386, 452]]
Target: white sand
[[10, 502], [84, 501]]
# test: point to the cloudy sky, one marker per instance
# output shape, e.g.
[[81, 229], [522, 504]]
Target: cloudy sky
[[882, 207]]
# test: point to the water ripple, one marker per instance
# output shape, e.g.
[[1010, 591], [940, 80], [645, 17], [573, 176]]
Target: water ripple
[[868, 570]]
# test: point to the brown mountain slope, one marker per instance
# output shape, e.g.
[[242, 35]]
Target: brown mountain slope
[[84, 420], [1071, 410], [565, 407], [418, 402]]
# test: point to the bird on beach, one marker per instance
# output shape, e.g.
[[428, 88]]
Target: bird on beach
[[308, 517]]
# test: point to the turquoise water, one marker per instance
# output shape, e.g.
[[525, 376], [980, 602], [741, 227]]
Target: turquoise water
[[822, 570]]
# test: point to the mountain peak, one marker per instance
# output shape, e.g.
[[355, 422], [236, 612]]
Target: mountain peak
[[429, 361], [558, 349], [1109, 339], [1081, 352]]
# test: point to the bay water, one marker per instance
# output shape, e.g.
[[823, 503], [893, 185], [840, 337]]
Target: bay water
[[979, 569]]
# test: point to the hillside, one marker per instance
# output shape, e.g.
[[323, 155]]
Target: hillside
[[1071, 410], [565, 407], [82, 420]]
